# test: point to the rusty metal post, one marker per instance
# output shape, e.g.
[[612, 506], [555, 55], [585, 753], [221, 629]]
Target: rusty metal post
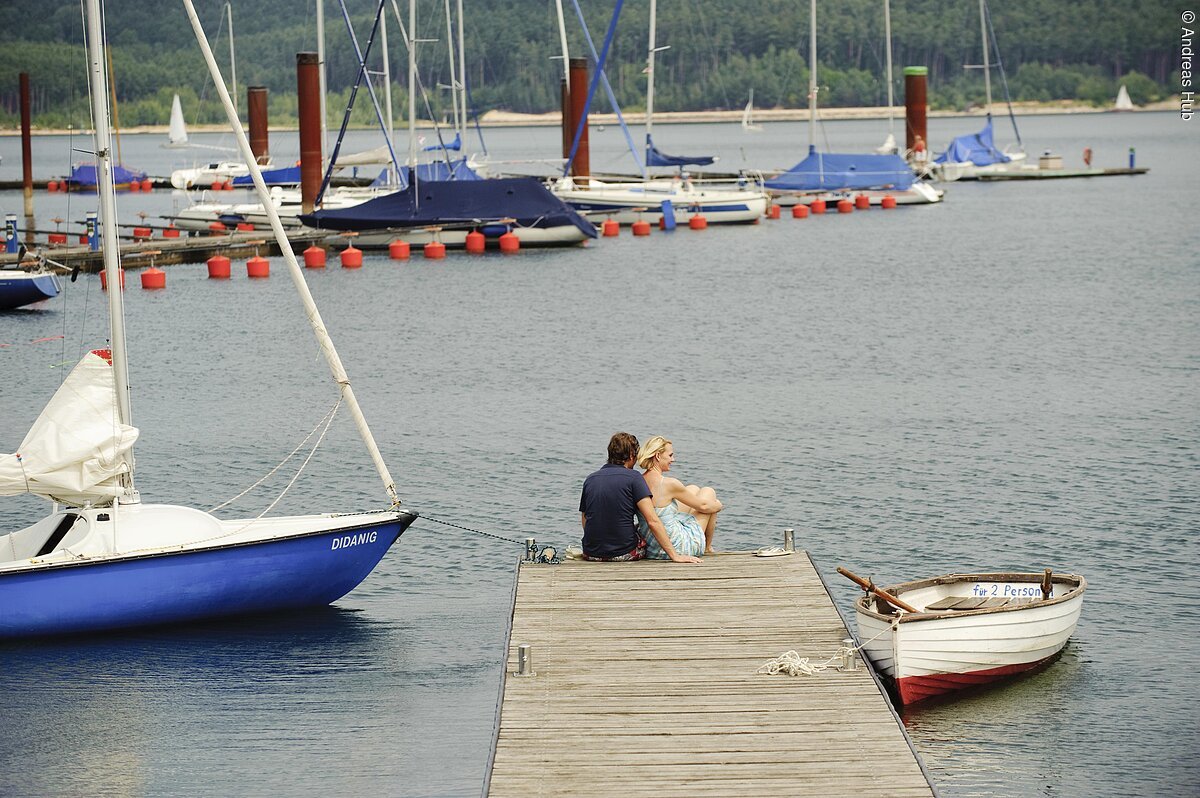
[[915, 105], [568, 131], [256, 103], [582, 167], [308, 90]]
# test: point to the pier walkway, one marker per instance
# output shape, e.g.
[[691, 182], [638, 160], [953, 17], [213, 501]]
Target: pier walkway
[[645, 684]]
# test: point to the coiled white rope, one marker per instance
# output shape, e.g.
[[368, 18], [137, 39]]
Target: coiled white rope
[[792, 664]]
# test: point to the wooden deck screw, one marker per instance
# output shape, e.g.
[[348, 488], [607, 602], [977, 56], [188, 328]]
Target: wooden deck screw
[[789, 539], [525, 660]]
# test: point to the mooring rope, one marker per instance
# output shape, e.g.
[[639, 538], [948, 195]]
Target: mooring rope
[[792, 664], [533, 552]]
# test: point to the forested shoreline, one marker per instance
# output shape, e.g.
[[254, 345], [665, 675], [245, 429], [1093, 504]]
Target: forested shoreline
[[718, 52]]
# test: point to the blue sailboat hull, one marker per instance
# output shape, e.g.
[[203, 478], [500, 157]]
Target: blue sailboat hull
[[18, 289], [287, 573]]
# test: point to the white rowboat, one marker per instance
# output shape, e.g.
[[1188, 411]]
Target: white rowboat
[[968, 629]]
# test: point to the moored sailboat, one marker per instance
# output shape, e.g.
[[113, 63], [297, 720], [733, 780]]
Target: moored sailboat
[[104, 559]]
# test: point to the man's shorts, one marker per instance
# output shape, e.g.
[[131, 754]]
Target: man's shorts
[[638, 553]]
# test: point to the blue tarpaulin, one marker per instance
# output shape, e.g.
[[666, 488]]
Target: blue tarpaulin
[[833, 171], [656, 158], [978, 148], [456, 203], [84, 175], [455, 145]]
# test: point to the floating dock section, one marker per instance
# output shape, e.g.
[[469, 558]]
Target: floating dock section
[[645, 682]]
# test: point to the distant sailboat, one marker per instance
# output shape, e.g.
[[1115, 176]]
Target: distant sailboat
[[1123, 102], [177, 135], [748, 116]]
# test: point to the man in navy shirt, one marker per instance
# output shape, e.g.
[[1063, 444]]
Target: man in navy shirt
[[610, 498]]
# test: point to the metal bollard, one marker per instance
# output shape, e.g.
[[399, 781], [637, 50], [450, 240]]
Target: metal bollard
[[849, 657], [525, 660], [530, 550], [11, 244], [789, 539], [93, 231]]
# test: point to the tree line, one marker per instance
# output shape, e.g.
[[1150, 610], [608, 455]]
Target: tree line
[[718, 51]]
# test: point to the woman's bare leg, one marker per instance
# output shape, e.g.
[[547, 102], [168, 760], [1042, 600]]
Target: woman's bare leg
[[708, 521]]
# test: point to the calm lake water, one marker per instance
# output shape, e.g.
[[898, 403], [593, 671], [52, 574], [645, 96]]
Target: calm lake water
[[1007, 381]]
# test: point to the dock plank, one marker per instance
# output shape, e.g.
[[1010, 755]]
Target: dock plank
[[646, 684]]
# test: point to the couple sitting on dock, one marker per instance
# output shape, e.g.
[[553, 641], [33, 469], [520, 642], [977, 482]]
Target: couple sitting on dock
[[674, 521]]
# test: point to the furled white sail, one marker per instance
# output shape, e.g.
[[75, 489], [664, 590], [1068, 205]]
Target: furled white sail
[[1123, 102], [76, 450], [177, 135]]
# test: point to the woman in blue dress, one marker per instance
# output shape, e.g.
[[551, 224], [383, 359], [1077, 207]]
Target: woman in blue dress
[[688, 512]]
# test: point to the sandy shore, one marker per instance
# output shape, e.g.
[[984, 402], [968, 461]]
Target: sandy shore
[[513, 119]]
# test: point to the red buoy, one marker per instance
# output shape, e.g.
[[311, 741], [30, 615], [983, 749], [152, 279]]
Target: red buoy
[[641, 228], [697, 222], [509, 242], [817, 206], [83, 239], [435, 250], [862, 202], [228, 185], [147, 185], [154, 278], [799, 211], [245, 227], [258, 266], [888, 202], [351, 257], [142, 233], [217, 185], [845, 206], [611, 228], [219, 267], [135, 185], [216, 228], [398, 250], [104, 280], [314, 257], [52, 186], [773, 212], [171, 231], [57, 238], [476, 242]]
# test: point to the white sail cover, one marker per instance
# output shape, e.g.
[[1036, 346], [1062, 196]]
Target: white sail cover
[[177, 133], [76, 450]]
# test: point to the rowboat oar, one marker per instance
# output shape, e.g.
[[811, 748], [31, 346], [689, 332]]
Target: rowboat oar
[[869, 586]]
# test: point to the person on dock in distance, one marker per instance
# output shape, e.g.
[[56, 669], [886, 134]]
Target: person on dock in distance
[[611, 497], [688, 512]]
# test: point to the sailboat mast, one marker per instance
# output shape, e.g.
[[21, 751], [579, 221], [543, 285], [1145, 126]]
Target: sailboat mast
[[321, 76], [562, 36], [393, 178], [310, 308], [987, 66], [812, 76], [110, 245], [887, 34], [650, 76], [412, 92], [233, 57], [462, 73], [450, 44]]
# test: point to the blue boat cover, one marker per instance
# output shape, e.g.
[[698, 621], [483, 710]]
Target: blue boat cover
[[455, 145], [285, 176], [656, 158], [458, 203], [84, 174], [456, 170], [978, 148], [833, 171]]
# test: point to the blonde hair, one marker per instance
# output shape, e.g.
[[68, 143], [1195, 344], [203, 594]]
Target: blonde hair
[[650, 449]]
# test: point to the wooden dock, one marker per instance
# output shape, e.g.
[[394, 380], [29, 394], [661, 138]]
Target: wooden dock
[[645, 684], [184, 249], [1056, 174]]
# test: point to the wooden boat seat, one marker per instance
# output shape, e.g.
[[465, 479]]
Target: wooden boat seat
[[975, 603]]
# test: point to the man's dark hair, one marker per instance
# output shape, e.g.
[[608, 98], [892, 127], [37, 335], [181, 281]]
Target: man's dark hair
[[621, 448]]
